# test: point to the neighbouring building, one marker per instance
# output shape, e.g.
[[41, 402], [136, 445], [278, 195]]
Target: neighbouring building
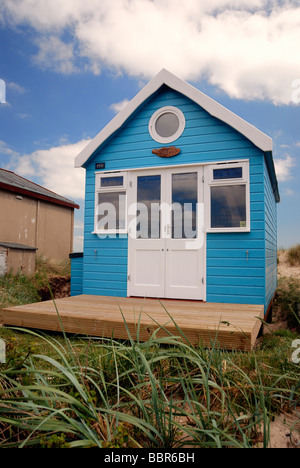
[[32, 219]]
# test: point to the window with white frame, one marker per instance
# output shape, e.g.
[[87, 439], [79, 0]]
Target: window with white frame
[[167, 124], [110, 203], [228, 198]]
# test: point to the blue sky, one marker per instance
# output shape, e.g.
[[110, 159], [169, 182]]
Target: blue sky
[[68, 66]]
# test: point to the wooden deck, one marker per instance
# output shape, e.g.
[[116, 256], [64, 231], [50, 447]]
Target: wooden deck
[[236, 326]]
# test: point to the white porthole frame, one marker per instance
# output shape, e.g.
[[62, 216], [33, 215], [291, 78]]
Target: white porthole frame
[[167, 110]]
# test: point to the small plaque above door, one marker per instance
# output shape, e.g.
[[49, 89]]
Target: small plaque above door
[[167, 152]]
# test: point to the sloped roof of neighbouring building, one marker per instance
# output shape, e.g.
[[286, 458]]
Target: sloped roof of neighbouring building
[[15, 183]]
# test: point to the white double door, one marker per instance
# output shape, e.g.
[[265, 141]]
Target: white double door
[[166, 243]]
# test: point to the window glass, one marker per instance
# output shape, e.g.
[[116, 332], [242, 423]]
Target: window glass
[[111, 214], [228, 206], [167, 125], [184, 201], [112, 181], [148, 210], [228, 173]]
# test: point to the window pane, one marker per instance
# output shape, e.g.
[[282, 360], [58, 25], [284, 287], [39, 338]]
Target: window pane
[[148, 199], [228, 206], [167, 125], [111, 181], [184, 200], [111, 211], [228, 173]]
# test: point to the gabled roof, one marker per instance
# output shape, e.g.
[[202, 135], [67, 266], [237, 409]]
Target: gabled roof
[[164, 77], [15, 246], [15, 183]]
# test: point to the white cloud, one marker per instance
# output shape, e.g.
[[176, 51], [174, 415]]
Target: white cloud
[[284, 167], [288, 192], [118, 106], [54, 168], [248, 48], [6, 150], [54, 53], [16, 87]]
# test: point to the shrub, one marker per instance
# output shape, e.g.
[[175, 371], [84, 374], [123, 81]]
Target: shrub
[[288, 301], [294, 255]]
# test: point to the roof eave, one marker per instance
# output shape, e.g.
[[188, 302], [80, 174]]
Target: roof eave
[[28, 193], [272, 174], [258, 138]]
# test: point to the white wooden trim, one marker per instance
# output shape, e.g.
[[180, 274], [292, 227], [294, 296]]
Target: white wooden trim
[[111, 189], [209, 182], [174, 166], [164, 241], [258, 138], [159, 113]]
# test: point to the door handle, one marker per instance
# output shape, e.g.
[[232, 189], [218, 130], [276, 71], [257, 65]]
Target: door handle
[[167, 229]]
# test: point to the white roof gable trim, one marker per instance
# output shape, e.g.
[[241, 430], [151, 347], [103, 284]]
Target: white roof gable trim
[[258, 138]]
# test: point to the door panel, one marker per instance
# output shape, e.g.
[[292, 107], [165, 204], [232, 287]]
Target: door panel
[[184, 255], [148, 269], [166, 255], [146, 264]]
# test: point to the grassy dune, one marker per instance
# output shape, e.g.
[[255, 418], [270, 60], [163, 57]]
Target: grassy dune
[[68, 392]]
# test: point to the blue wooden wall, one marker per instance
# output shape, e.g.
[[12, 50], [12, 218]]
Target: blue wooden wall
[[232, 276], [76, 274], [270, 240]]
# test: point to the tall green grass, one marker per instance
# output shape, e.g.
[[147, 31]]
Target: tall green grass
[[52, 267], [18, 289], [161, 393], [21, 289]]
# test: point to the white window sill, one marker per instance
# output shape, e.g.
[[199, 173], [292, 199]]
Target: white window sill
[[107, 232], [224, 230]]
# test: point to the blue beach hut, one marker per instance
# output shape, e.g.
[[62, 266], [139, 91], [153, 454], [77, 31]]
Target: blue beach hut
[[180, 202]]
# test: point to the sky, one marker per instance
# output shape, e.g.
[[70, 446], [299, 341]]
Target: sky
[[67, 67]]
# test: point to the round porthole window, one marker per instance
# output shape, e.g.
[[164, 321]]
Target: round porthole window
[[166, 124]]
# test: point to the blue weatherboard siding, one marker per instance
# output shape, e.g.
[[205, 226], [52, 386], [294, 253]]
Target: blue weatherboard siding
[[76, 275], [231, 275], [270, 240]]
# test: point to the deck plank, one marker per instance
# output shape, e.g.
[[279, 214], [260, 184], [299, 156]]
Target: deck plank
[[235, 326]]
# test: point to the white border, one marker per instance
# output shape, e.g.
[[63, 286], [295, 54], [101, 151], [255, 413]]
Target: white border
[[159, 113]]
